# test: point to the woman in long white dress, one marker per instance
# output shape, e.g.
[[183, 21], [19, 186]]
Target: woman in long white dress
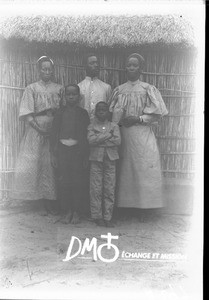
[[34, 175], [135, 105]]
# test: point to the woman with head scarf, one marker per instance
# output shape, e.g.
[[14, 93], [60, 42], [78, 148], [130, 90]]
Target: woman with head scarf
[[34, 176], [135, 106]]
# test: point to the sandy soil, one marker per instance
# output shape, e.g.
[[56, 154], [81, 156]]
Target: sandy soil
[[33, 247]]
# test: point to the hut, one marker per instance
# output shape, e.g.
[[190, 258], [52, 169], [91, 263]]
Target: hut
[[167, 44]]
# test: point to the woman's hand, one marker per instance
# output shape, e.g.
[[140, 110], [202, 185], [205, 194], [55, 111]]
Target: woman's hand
[[34, 124], [45, 133], [53, 160], [42, 132], [130, 121], [85, 163]]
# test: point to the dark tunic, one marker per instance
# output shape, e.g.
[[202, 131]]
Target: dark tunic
[[70, 123]]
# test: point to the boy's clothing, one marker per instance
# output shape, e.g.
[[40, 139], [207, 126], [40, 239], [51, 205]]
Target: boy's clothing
[[92, 91], [69, 123], [69, 177], [63, 128], [102, 183], [99, 144], [67, 126], [104, 139]]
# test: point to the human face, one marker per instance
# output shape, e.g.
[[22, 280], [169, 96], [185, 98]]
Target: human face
[[102, 112], [72, 96], [46, 71], [133, 69], [92, 68]]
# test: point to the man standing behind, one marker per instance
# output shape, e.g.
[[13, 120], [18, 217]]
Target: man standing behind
[[93, 90]]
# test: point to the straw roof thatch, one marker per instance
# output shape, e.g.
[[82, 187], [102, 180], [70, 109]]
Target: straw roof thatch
[[100, 31]]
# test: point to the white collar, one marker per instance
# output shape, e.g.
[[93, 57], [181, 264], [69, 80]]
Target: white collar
[[45, 83], [92, 79], [134, 82]]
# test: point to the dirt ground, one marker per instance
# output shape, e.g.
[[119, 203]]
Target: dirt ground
[[33, 248]]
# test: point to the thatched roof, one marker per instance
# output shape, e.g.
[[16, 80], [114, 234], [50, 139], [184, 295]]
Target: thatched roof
[[99, 31]]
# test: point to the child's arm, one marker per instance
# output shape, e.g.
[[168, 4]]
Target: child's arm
[[82, 140], [115, 139], [54, 133], [95, 137], [53, 139]]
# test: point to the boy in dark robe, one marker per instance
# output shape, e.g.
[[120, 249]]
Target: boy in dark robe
[[69, 152]]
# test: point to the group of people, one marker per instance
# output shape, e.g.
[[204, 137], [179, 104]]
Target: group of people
[[87, 126]]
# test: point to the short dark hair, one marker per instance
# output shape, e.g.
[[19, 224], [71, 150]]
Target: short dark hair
[[101, 102], [85, 61], [73, 85]]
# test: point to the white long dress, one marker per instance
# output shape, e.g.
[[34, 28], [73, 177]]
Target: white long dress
[[140, 180], [34, 175]]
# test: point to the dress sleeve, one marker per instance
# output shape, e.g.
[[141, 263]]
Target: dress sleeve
[[113, 99], [27, 105], [154, 102], [83, 142], [62, 97], [82, 96], [117, 105], [109, 93]]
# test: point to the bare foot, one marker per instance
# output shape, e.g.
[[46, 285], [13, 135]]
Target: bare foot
[[43, 213], [109, 224], [48, 205], [54, 212], [66, 219], [75, 219], [43, 208]]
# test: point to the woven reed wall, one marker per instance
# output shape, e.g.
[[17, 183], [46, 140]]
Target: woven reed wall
[[171, 71]]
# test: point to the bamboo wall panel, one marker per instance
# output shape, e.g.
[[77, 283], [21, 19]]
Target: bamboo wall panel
[[175, 132]]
